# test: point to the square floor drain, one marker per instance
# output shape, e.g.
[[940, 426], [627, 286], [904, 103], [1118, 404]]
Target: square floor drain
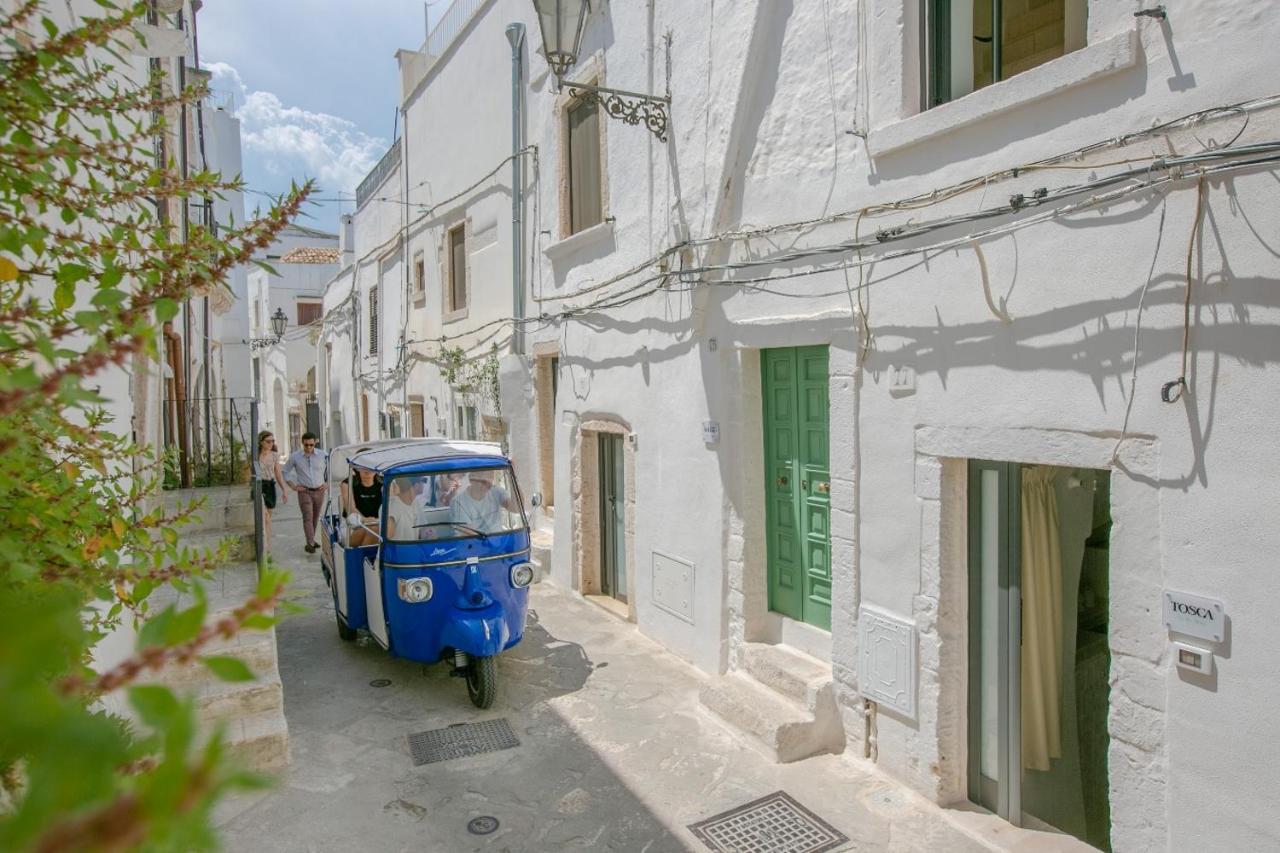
[[461, 740], [772, 824]]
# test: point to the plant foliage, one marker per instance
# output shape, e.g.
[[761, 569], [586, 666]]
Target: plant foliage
[[91, 264]]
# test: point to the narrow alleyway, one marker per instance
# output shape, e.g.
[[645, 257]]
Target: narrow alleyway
[[615, 751]]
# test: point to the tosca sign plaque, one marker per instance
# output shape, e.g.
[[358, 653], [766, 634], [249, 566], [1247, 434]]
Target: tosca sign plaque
[[1193, 615]]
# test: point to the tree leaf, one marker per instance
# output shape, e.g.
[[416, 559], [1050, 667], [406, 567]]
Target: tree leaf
[[228, 668], [156, 705], [185, 625], [155, 629]]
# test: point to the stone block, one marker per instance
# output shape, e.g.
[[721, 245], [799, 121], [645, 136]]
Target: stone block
[[928, 481], [1135, 724]]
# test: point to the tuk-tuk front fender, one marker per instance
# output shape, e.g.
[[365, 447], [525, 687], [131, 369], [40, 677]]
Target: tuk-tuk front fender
[[479, 633]]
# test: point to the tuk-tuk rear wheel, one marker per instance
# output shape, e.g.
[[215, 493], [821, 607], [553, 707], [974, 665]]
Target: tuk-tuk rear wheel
[[482, 681], [344, 631]]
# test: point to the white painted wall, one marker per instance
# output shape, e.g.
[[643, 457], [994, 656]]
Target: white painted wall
[[763, 95], [795, 111], [289, 361]]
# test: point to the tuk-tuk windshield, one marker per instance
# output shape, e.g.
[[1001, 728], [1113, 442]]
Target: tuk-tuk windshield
[[453, 505]]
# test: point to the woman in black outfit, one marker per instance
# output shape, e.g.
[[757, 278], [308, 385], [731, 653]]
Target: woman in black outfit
[[362, 496]]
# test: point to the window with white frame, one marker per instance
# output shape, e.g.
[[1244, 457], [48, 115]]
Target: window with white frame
[[974, 43], [582, 157], [373, 320]]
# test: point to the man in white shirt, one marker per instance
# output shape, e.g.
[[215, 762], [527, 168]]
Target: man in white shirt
[[307, 472], [481, 504]]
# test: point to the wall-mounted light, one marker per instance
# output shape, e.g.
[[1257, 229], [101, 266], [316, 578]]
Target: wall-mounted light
[[279, 322], [562, 23]]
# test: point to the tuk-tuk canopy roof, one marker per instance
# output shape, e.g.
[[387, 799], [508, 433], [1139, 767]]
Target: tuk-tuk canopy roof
[[422, 453]]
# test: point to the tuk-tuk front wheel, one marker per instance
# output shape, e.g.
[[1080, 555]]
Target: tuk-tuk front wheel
[[482, 681]]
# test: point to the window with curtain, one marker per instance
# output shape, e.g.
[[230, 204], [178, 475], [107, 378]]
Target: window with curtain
[[458, 268], [974, 43], [586, 207]]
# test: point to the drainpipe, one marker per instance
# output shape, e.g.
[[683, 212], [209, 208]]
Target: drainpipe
[[184, 447], [405, 366], [515, 35]]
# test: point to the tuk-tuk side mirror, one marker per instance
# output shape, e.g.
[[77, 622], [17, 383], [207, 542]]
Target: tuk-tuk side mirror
[[536, 499]]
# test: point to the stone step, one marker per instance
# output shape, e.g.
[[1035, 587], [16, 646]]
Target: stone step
[[256, 649], [777, 726], [226, 509], [224, 700], [242, 542], [797, 676], [541, 541], [260, 742]]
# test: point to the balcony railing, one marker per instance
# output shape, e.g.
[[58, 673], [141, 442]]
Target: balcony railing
[[379, 174]]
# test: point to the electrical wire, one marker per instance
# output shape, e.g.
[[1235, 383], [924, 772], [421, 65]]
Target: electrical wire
[[658, 282], [1157, 172], [1171, 392]]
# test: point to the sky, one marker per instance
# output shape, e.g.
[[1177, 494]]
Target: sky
[[315, 87]]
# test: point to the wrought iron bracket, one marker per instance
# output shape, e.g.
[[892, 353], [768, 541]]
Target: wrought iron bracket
[[634, 108]]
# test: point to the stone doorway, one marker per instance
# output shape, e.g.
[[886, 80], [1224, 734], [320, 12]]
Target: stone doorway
[[588, 532]]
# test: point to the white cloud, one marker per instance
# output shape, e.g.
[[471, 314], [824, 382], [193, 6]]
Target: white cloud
[[292, 143]]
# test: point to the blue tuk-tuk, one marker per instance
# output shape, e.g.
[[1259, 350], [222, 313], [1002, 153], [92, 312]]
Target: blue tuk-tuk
[[442, 571]]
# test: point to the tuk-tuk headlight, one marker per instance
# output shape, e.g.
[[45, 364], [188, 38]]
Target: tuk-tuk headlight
[[414, 590], [522, 574]]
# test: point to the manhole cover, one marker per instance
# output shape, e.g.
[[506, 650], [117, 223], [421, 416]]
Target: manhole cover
[[482, 825], [459, 741], [772, 824], [380, 682]]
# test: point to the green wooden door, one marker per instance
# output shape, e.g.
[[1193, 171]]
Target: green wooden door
[[797, 483]]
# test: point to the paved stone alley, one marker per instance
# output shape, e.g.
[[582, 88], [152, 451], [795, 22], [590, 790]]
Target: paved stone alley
[[615, 751]]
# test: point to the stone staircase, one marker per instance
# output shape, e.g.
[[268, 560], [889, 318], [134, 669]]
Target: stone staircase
[[251, 712], [782, 700]]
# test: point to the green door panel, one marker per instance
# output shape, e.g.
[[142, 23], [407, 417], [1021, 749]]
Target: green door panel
[[797, 490]]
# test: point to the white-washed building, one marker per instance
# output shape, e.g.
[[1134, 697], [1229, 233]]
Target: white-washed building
[[917, 384], [292, 280]]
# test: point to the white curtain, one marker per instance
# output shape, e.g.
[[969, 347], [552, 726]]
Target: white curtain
[[1041, 620]]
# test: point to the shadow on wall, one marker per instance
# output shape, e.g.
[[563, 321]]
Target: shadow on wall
[[1028, 121]]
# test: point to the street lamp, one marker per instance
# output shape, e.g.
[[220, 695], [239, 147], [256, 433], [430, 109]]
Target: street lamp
[[562, 23], [278, 324]]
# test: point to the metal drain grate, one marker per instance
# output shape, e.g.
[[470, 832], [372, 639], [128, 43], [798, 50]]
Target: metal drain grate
[[772, 824], [461, 740]]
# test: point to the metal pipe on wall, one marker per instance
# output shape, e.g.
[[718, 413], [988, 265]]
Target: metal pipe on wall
[[515, 35], [184, 434]]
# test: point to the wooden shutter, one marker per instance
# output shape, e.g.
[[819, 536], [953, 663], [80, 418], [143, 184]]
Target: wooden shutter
[[458, 268], [308, 313], [373, 320], [417, 420], [585, 207]]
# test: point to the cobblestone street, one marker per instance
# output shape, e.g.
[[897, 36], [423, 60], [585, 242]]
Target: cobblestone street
[[615, 751]]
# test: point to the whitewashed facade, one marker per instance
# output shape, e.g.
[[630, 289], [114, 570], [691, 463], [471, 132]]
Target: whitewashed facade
[[975, 313], [302, 261]]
